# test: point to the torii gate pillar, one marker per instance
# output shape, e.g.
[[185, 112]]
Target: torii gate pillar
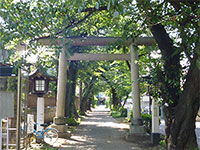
[[136, 126], [59, 121], [61, 85]]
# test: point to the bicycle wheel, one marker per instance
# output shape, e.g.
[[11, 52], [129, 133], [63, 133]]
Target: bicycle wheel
[[50, 136]]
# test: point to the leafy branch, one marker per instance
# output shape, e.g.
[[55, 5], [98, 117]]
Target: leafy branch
[[90, 12]]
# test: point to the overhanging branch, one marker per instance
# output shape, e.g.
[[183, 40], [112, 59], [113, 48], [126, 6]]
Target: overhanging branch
[[90, 12], [94, 9], [75, 23]]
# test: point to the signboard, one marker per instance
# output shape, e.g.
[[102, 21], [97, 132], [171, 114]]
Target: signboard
[[30, 123], [6, 104]]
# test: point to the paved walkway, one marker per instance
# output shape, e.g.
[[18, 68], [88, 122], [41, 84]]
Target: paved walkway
[[99, 131]]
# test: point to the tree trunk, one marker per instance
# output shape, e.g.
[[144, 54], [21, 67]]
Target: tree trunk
[[122, 111], [182, 106], [183, 125], [115, 99], [83, 105], [70, 90], [89, 103]]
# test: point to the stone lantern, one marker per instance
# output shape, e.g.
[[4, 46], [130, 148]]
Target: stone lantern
[[39, 85]]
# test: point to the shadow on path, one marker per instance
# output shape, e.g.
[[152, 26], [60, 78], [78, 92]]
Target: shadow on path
[[99, 131]]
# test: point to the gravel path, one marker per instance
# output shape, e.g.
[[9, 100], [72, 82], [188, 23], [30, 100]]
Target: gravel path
[[99, 131]]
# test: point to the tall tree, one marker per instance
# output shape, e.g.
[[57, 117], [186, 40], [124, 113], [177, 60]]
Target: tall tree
[[180, 100], [86, 95]]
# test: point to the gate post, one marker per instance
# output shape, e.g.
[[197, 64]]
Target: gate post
[[61, 85], [136, 127], [155, 136], [135, 84], [60, 119]]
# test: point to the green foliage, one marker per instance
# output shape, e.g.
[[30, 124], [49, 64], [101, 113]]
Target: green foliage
[[12, 84], [162, 145], [107, 102], [33, 20], [147, 118], [94, 101], [131, 116], [52, 88], [115, 114], [72, 121], [123, 112], [28, 21]]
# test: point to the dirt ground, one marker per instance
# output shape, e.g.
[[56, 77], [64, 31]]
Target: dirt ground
[[99, 131]]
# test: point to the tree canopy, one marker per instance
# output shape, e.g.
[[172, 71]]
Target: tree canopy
[[175, 26]]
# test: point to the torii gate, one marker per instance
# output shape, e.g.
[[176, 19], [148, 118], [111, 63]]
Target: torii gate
[[60, 120]]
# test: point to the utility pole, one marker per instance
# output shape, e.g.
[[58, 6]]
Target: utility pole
[[19, 90]]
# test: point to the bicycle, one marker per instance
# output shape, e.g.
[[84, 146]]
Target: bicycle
[[48, 135]]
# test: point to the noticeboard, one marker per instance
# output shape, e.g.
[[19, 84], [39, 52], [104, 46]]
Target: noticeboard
[[6, 104]]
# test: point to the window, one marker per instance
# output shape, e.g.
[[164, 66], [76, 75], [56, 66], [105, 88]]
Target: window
[[39, 85]]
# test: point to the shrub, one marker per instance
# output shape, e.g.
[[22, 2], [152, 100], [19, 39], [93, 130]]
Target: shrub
[[147, 121], [72, 121], [94, 102], [123, 112], [107, 102], [162, 145], [115, 114]]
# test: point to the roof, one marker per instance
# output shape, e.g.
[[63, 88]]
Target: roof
[[6, 70], [40, 72], [7, 65]]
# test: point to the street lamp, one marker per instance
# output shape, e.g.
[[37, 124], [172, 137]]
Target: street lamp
[[39, 83]]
